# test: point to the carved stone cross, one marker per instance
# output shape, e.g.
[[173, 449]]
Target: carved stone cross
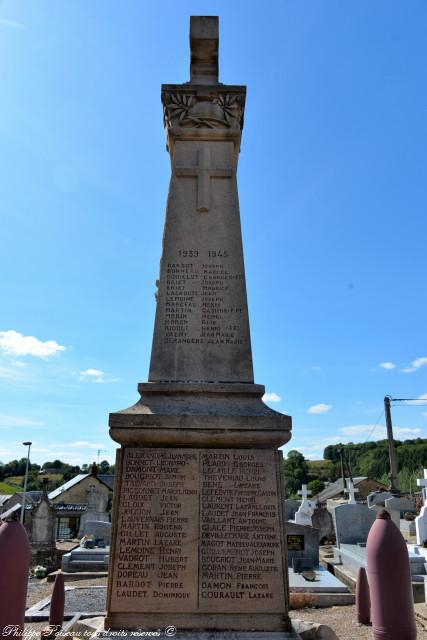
[[304, 493], [422, 482], [203, 172], [351, 490]]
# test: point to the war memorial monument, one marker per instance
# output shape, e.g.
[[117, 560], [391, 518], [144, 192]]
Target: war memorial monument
[[198, 532]]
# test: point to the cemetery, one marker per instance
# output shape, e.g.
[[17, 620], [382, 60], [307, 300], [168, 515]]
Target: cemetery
[[196, 534]]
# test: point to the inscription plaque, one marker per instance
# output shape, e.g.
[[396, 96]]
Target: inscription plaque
[[198, 530], [295, 542]]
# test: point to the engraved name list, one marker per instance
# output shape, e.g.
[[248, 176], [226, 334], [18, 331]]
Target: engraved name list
[[198, 530]]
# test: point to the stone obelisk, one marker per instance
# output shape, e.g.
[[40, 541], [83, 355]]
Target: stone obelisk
[[198, 535]]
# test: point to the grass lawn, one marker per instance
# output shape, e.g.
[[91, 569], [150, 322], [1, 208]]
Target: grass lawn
[[318, 467], [16, 481], [8, 488]]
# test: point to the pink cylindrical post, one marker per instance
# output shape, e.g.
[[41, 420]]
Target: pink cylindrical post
[[363, 601], [14, 569], [57, 603], [389, 575]]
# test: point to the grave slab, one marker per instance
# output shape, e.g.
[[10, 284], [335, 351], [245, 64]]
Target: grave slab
[[325, 582]]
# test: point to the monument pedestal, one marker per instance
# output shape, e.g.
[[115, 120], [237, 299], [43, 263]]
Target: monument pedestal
[[198, 536], [204, 414]]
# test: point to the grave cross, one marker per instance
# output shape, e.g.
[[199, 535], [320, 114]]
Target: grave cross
[[91, 493], [304, 513], [203, 172], [304, 493], [351, 490], [422, 482]]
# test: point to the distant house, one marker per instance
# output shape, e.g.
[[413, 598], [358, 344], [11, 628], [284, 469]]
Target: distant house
[[70, 501], [31, 498], [336, 489], [4, 498]]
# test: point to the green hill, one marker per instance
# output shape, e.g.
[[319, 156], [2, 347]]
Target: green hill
[[368, 459], [5, 487]]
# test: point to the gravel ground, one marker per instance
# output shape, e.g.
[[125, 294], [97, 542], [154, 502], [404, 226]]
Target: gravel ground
[[343, 621], [39, 589]]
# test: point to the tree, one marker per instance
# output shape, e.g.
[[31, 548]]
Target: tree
[[315, 486], [56, 464], [15, 467], [70, 472], [104, 466], [296, 472]]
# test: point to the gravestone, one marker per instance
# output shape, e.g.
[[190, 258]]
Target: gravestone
[[198, 533], [351, 491], [378, 498], [304, 513], [302, 542], [422, 482], [352, 523], [421, 519], [96, 510], [402, 505], [290, 508], [323, 522], [397, 507], [98, 529], [42, 533]]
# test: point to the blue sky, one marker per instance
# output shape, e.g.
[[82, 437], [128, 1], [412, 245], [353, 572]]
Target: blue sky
[[332, 186]]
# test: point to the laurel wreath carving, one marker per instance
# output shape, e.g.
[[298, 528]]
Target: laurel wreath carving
[[177, 110]]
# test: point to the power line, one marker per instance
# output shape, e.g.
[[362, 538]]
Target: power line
[[419, 401], [375, 426]]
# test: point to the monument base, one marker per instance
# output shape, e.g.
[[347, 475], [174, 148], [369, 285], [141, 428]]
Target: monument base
[[198, 622], [198, 540], [98, 628], [200, 414]]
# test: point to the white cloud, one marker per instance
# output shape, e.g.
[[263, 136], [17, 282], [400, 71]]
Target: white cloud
[[40, 452], [12, 24], [271, 397], [425, 414], [14, 343], [16, 421], [18, 364], [415, 365], [378, 432], [83, 444], [97, 376], [92, 373], [10, 373], [320, 408], [387, 365], [316, 368]]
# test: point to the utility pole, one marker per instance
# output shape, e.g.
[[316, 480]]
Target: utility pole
[[391, 450], [24, 495], [348, 461], [342, 468]]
